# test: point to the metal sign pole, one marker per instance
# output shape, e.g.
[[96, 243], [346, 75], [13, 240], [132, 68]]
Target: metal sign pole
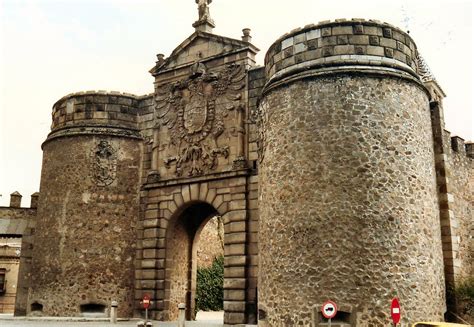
[[146, 316], [329, 322]]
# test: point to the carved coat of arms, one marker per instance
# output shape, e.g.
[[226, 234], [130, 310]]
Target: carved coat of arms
[[193, 110], [104, 164]]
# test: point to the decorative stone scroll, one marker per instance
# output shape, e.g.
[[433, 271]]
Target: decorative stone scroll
[[104, 164], [195, 111]]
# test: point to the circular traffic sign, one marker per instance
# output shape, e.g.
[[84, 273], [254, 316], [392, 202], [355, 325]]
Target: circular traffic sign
[[146, 301], [395, 311], [329, 309]]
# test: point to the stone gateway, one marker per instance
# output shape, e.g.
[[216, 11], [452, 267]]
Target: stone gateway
[[329, 167]]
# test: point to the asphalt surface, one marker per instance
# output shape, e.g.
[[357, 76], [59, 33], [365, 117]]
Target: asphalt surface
[[205, 319], [16, 323]]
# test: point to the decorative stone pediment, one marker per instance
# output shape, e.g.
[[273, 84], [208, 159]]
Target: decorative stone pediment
[[199, 46]]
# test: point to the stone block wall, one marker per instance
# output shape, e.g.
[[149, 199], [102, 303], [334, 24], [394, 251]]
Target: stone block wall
[[454, 171], [85, 237], [17, 222], [347, 187], [24, 273], [209, 73], [157, 273], [95, 108], [211, 242], [146, 123], [256, 81], [14, 220], [463, 205], [462, 183], [340, 43]]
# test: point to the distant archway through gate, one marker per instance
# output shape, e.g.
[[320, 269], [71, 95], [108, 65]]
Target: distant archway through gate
[[181, 262]]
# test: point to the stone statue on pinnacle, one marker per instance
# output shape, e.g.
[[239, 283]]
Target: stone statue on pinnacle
[[203, 8]]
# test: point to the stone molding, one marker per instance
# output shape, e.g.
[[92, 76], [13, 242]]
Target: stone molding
[[198, 179], [301, 73], [82, 130]]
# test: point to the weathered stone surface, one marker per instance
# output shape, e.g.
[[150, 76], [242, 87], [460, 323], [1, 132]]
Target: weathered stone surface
[[85, 235], [333, 194], [348, 201], [454, 171], [9, 265], [211, 242]]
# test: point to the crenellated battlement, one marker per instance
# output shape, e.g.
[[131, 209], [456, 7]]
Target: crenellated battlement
[[15, 201], [95, 107], [336, 22], [342, 45], [459, 145], [14, 219], [96, 112]]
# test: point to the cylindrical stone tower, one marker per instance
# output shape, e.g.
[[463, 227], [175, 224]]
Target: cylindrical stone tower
[[85, 235], [348, 201]]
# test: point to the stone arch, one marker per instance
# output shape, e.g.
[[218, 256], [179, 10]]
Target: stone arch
[[164, 210], [182, 233]]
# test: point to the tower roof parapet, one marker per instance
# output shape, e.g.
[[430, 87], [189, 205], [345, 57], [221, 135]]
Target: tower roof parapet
[[343, 45], [96, 112]]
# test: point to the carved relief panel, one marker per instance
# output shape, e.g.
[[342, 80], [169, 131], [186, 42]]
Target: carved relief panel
[[104, 163], [200, 123]]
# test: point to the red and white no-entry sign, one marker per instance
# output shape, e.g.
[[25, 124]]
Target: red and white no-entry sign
[[395, 311], [146, 301], [329, 309]]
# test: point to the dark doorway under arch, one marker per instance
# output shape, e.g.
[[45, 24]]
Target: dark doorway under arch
[[181, 263]]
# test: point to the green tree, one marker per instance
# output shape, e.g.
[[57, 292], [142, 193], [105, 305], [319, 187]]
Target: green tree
[[210, 286]]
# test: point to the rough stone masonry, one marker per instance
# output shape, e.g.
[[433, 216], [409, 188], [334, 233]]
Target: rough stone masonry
[[330, 168]]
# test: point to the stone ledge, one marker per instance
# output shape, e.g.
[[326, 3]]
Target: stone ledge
[[102, 92], [199, 179], [343, 60], [93, 130], [206, 60], [352, 70]]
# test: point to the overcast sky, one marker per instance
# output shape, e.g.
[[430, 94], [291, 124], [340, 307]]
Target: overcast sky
[[49, 48]]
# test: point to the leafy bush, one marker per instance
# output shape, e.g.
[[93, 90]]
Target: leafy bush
[[465, 290], [464, 295], [210, 286]]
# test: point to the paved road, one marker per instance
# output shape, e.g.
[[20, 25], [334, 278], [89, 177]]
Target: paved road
[[211, 320], [26, 323], [43, 323]]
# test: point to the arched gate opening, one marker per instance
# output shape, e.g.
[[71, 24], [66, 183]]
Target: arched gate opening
[[181, 264]]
